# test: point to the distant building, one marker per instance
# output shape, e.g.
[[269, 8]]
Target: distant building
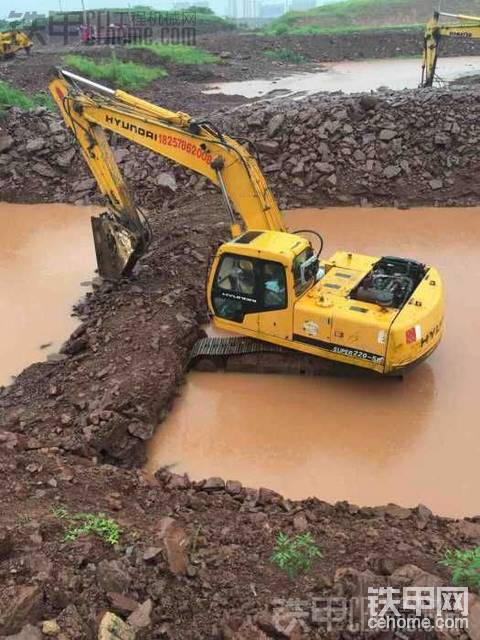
[[182, 6], [27, 17], [272, 10], [302, 5]]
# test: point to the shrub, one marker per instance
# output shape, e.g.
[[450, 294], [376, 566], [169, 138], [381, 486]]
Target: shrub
[[82, 524], [295, 555], [285, 55], [465, 567]]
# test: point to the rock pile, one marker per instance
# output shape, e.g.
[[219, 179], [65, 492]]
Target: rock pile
[[409, 147], [399, 148]]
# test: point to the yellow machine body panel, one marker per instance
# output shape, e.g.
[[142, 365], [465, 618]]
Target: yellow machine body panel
[[13, 41], [466, 26], [418, 327], [326, 320]]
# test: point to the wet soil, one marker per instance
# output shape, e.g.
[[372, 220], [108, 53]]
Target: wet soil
[[63, 424], [243, 58]]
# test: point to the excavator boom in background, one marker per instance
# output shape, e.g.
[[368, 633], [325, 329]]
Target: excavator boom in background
[[465, 27], [13, 41], [268, 285]]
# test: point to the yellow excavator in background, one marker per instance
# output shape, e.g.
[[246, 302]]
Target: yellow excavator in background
[[266, 284], [466, 27], [13, 41]]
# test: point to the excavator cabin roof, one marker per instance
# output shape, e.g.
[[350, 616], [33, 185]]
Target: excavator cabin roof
[[273, 245]]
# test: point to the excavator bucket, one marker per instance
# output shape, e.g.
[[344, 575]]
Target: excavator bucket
[[117, 247]]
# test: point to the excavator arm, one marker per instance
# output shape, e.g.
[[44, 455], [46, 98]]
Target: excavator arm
[[122, 234], [468, 27]]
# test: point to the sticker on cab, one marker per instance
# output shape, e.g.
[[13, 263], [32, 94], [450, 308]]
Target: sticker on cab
[[310, 327]]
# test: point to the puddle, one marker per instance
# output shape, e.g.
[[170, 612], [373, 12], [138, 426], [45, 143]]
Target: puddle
[[46, 252], [350, 77]]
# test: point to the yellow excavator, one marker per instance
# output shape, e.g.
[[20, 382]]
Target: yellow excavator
[[266, 284], [13, 41], [466, 27]]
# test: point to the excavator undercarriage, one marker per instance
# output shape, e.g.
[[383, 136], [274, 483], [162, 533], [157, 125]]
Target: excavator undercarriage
[[247, 355]]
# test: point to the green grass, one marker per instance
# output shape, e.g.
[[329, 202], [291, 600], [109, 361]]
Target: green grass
[[282, 28], [178, 53], [84, 524], [126, 75], [284, 55], [351, 15], [10, 97]]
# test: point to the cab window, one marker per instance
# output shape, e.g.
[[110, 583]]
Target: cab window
[[248, 285], [300, 282], [273, 286], [235, 288]]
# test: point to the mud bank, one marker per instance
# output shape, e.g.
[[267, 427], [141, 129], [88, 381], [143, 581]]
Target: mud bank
[[117, 374], [401, 148], [334, 47]]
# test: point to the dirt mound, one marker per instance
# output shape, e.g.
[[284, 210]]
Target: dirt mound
[[355, 45], [377, 13], [412, 147], [397, 147]]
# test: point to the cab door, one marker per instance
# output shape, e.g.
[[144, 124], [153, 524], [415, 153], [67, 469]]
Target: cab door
[[274, 307], [235, 292]]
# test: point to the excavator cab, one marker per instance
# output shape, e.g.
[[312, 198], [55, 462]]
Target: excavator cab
[[382, 314]]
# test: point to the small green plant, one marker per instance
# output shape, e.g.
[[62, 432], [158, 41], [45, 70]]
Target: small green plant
[[295, 555], [84, 524], [127, 75], [465, 567], [60, 512], [284, 55]]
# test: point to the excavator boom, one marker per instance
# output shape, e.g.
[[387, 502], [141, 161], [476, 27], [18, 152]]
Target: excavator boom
[[435, 31], [122, 235]]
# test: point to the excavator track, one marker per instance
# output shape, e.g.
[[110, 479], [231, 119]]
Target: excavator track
[[247, 355]]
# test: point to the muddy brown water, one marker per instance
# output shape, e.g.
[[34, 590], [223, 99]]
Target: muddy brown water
[[367, 441], [46, 252], [350, 77]]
